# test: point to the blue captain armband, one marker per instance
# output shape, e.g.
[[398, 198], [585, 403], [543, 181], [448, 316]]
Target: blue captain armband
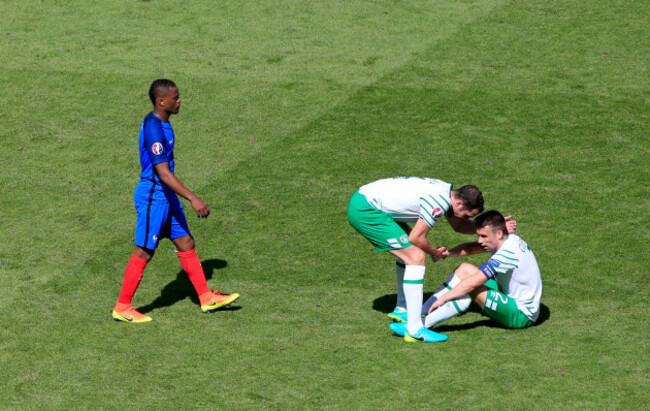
[[488, 268]]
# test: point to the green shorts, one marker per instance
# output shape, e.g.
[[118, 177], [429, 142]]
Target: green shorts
[[375, 225], [503, 309]]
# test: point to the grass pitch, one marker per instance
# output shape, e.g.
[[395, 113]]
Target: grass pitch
[[289, 107]]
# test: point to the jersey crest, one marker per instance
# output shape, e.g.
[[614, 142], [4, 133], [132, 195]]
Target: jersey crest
[[157, 148]]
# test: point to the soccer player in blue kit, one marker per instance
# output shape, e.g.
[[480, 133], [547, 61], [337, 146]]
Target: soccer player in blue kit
[[160, 213]]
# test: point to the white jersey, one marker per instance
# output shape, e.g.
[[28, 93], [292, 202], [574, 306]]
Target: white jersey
[[408, 198], [515, 268]]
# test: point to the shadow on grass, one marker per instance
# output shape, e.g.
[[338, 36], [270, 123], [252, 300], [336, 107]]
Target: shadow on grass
[[386, 304], [181, 288]]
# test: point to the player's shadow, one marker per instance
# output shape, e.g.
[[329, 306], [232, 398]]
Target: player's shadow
[[181, 288], [544, 314], [386, 304]]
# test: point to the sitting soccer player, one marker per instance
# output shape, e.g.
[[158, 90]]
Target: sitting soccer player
[[507, 287]]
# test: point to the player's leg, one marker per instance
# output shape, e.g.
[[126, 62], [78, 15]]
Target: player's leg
[[447, 285], [400, 304], [123, 310], [413, 284], [133, 273], [192, 265], [384, 233], [461, 272], [184, 243], [415, 331], [479, 295], [179, 234], [400, 265], [496, 305], [151, 217], [451, 308]]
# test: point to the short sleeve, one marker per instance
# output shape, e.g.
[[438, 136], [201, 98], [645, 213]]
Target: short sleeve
[[431, 210], [155, 142], [500, 263]]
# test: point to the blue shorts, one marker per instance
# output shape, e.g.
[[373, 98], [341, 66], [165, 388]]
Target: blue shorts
[[158, 219]]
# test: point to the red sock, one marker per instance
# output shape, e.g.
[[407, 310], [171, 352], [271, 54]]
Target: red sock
[[132, 277], [192, 266]]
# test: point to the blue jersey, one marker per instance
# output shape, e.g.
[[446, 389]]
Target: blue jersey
[[156, 146]]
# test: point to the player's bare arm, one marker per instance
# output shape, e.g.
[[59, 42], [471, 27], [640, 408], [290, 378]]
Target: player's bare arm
[[467, 226], [462, 225], [418, 237], [467, 285], [165, 174], [466, 249]]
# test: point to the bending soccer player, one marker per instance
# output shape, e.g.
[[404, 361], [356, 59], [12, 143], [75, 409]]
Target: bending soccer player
[[507, 287], [160, 213], [380, 211]]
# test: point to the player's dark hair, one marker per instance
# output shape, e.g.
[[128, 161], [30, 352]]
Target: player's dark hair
[[158, 86], [492, 219], [471, 196]]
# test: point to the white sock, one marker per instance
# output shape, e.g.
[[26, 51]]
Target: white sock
[[399, 277], [450, 309], [451, 282], [413, 287]]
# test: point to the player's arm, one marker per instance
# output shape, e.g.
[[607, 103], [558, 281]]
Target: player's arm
[[418, 237], [467, 225], [465, 249], [171, 181], [475, 280], [461, 225]]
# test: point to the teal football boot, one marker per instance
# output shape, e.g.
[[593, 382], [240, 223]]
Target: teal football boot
[[424, 335], [398, 328], [398, 315]]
